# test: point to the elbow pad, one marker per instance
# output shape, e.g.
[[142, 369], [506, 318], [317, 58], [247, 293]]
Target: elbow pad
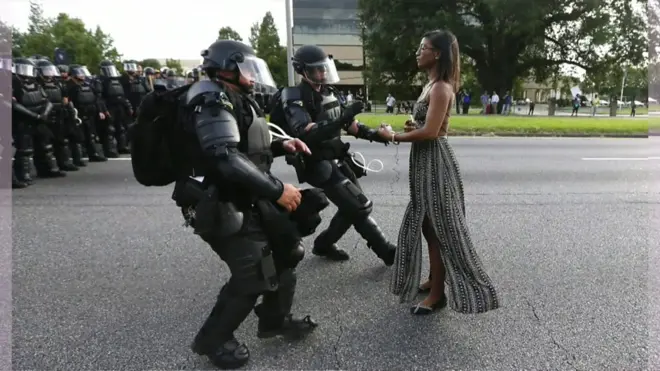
[[217, 130]]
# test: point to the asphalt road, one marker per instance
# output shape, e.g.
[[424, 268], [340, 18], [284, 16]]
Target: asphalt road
[[105, 276]]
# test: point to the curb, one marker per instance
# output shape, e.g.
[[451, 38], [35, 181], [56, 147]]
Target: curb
[[542, 135], [550, 135]]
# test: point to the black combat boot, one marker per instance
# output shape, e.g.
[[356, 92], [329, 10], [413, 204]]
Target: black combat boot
[[47, 164], [95, 150], [216, 340], [22, 166], [274, 313], [287, 326], [77, 154], [15, 183], [64, 157], [325, 244], [110, 146], [122, 143], [369, 230]]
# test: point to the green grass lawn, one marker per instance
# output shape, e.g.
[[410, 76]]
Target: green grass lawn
[[525, 125], [606, 110]]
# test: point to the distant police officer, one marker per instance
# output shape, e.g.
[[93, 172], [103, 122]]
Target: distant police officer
[[135, 87], [234, 153], [61, 120], [312, 111], [113, 131], [32, 137], [91, 111]]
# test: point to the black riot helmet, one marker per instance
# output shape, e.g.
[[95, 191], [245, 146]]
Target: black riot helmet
[[131, 67], [107, 69], [195, 74], [79, 72], [149, 71], [63, 68], [24, 68], [46, 71], [312, 63], [236, 63]]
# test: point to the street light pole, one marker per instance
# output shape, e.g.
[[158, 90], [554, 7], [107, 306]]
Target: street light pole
[[289, 41]]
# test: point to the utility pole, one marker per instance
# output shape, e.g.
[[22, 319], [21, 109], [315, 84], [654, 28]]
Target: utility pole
[[289, 41]]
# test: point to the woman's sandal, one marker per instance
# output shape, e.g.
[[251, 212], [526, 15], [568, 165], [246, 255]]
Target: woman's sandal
[[421, 310]]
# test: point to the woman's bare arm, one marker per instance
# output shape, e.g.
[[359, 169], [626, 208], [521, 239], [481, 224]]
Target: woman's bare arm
[[440, 98]]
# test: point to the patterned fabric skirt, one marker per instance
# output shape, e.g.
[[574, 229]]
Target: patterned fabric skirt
[[436, 192]]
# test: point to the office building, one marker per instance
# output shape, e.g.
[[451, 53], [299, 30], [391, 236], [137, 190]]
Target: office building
[[334, 26]]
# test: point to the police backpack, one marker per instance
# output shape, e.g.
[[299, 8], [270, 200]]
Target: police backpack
[[154, 138]]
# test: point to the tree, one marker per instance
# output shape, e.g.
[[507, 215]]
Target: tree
[[654, 48], [150, 62], [266, 43], [505, 38], [228, 33], [82, 45], [254, 35], [174, 64]]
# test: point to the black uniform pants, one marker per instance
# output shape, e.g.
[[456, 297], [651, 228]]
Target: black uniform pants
[[253, 272], [24, 149], [331, 177]]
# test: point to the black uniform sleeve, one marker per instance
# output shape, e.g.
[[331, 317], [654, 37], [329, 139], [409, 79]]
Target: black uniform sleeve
[[98, 91], [219, 136], [294, 111], [277, 147], [365, 132]]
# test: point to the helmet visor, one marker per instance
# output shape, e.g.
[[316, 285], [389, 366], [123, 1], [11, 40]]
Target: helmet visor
[[25, 70], [80, 72], [256, 71], [49, 71], [109, 71], [322, 72], [130, 67]]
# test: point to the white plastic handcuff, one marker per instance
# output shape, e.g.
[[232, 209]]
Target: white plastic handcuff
[[280, 133]]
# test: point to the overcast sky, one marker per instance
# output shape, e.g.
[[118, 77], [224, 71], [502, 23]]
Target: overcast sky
[[184, 29]]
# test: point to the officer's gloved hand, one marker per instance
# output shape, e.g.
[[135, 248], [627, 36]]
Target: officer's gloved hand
[[351, 111]]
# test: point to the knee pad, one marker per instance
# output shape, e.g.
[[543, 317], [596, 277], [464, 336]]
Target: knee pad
[[296, 256], [349, 199]]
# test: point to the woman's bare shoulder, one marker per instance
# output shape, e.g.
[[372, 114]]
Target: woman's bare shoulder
[[441, 91]]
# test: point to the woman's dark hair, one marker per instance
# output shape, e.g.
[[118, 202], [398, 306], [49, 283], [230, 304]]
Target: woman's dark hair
[[448, 66]]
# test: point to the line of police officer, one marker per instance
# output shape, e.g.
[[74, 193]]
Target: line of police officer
[[61, 115]]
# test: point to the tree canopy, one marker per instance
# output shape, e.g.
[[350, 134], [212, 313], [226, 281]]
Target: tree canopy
[[505, 39], [228, 33], [82, 45], [265, 40]]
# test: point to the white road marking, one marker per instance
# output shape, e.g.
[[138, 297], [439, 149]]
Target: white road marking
[[620, 158]]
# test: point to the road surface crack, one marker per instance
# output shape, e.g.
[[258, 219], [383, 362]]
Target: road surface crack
[[337, 345], [570, 358]]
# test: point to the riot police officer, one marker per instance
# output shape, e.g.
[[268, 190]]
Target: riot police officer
[[61, 122], [312, 111], [32, 137], [234, 154], [195, 74], [64, 72], [135, 87], [91, 111], [119, 109], [149, 76]]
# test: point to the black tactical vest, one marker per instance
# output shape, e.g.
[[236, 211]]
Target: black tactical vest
[[330, 109], [54, 93], [255, 141], [85, 95], [33, 97], [113, 90], [137, 87]]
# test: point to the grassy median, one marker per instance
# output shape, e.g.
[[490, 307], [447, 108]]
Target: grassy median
[[523, 125]]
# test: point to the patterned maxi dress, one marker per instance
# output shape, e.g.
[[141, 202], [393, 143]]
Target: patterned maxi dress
[[436, 191]]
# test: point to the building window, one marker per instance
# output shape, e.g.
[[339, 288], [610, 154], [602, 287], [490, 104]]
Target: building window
[[326, 27], [324, 4]]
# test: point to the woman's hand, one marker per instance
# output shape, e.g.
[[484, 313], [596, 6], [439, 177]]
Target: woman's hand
[[409, 126], [386, 133]]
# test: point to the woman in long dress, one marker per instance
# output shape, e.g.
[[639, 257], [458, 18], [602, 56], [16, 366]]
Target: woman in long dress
[[437, 208]]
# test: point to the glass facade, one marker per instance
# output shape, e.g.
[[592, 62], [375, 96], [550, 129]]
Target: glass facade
[[334, 26]]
